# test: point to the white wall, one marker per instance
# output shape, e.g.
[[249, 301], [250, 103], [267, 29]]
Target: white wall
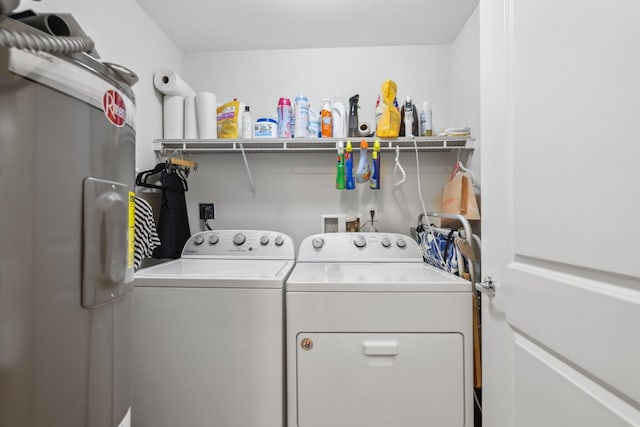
[[465, 83], [260, 78], [294, 189], [124, 34]]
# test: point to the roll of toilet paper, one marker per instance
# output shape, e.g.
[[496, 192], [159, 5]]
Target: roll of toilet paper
[[190, 126], [206, 113], [173, 117], [364, 129], [169, 83]]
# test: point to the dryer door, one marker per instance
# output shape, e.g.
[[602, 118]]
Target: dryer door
[[401, 379]]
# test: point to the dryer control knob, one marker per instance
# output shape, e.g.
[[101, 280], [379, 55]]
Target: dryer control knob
[[401, 243], [317, 243], [198, 240], [279, 241], [213, 240], [239, 239], [386, 242], [360, 241], [264, 240]]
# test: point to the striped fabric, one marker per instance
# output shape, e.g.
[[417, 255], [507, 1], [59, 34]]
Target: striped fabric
[[146, 236]]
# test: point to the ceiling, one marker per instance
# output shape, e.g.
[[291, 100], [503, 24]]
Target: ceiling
[[216, 25]]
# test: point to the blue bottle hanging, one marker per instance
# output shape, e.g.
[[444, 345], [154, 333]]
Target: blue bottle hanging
[[363, 173], [350, 183]]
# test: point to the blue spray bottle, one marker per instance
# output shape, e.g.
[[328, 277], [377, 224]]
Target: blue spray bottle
[[340, 167], [363, 173], [350, 183], [374, 184]]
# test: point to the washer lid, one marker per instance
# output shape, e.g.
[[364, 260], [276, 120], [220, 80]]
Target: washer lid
[[216, 273], [373, 277]]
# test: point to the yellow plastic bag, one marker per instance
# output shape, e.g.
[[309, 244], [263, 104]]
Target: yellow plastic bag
[[229, 123], [388, 124]]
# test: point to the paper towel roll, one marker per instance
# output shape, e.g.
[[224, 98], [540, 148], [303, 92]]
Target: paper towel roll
[[206, 112], [190, 126], [364, 129], [170, 83], [173, 117]]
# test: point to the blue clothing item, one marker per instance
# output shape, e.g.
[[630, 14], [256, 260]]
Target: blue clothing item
[[439, 249]]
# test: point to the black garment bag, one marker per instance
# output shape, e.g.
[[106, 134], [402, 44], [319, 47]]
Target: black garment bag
[[173, 225]]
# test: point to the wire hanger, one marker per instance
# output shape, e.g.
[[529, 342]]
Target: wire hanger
[[397, 166], [459, 167]]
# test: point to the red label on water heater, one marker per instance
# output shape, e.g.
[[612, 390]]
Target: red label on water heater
[[113, 106]]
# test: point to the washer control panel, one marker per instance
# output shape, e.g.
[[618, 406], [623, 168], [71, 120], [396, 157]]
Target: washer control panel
[[257, 244], [359, 247]]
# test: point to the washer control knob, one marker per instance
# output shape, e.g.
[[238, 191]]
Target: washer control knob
[[279, 241], [318, 242], [213, 239], [360, 241], [198, 240], [264, 240], [386, 242], [401, 243], [239, 239]]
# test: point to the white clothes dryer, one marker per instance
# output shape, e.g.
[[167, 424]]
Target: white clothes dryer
[[376, 337], [209, 333]]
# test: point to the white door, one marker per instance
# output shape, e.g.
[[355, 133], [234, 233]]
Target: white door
[[561, 212]]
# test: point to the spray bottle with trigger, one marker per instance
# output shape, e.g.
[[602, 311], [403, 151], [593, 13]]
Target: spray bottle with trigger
[[350, 183], [408, 117], [374, 184], [363, 173], [340, 167], [353, 115]]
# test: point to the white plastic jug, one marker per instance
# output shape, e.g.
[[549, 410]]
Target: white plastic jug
[[339, 113]]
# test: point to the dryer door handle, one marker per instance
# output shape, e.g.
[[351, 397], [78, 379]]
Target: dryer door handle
[[380, 348]]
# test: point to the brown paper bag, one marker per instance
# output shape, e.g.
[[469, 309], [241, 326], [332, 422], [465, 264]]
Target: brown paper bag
[[458, 197]]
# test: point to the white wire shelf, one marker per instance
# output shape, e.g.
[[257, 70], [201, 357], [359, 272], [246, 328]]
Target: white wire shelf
[[271, 145]]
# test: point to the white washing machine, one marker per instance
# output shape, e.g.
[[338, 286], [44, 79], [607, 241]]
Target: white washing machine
[[376, 337], [209, 333]]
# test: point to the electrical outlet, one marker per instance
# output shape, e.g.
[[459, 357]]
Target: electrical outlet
[[206, 211]]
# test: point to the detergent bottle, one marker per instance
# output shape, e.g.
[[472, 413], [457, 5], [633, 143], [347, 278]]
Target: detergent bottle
[[363, 173], [374, 183], [301, 116], [426, 127], [339, 117], [350, 183], [314, 124], [326, 120]]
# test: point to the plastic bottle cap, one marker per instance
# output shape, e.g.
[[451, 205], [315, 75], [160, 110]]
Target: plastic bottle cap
[[364, 144]]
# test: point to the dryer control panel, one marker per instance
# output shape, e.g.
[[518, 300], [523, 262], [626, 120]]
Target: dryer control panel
[[359, 247], [254, 244]]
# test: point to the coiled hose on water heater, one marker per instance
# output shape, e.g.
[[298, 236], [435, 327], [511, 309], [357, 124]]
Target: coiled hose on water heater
[[59, 41], [45, 42]]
